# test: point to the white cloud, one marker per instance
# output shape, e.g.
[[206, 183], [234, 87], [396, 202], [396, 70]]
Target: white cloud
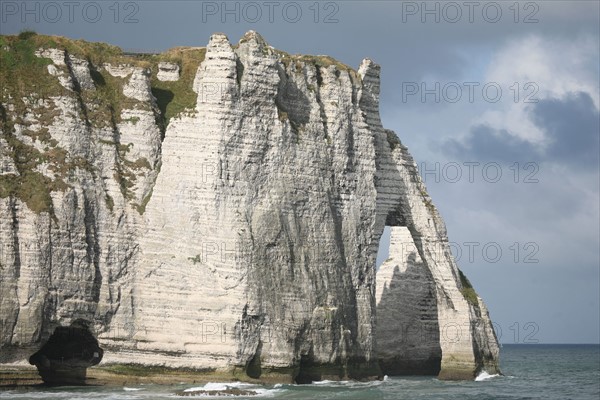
[[515, 119], [556, 67]]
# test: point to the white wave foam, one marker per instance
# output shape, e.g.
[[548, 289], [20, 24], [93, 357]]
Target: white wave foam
[[484, 376], [328, 383], [349, 384], [128, 389], [219, 386]]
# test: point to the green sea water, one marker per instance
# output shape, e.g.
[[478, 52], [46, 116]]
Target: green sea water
[[545, 372]]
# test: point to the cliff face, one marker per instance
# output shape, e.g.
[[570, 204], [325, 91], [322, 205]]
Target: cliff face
[[221, 208]]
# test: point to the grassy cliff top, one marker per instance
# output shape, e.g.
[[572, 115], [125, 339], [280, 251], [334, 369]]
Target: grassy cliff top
[[28, 92], [23, 73], [97, 53]]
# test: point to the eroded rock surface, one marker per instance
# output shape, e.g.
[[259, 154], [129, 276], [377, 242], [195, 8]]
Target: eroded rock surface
[[168, 72]]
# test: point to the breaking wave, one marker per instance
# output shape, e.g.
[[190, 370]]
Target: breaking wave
[[484, 376]]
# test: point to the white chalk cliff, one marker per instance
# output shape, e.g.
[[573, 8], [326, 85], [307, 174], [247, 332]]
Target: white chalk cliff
[[239, 234]]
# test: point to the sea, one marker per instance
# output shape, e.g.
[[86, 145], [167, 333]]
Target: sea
[[539, 371]]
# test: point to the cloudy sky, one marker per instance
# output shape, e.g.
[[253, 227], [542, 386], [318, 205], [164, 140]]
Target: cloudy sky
[[497, 101]]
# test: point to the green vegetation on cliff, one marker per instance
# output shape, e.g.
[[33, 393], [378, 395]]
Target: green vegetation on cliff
[[29, 85], [174, 97], [27, 108], [22, 73], [467, 290]]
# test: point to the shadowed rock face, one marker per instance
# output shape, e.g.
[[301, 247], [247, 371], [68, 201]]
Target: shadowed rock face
[[408, 333], [240, 235], [65, 357]]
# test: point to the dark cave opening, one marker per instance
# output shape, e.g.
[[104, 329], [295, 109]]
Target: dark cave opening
[[65, 357], [307, 373], [254, 368]]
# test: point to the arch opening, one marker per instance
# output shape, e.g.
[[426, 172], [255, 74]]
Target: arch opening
[[407, 331]]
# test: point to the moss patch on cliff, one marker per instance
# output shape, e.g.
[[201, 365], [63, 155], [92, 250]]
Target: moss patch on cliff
[[105, 104], [123, 174], [467, 290], [22, 73], [173, 97], [144, 370], [95, 52], [26, 91], [323, 62], [427, 200], [318, 61], [392, 139], [30, 186]]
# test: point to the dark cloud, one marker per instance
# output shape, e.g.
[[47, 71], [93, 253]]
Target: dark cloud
[[573, 125], [485, 143]]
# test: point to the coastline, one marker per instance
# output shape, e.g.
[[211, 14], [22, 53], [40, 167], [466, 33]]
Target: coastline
[[12, 376], [21, 375]]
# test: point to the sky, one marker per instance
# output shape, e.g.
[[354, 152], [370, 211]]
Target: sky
[[498, 101]]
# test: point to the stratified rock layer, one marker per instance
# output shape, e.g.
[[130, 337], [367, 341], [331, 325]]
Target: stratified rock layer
[[243, 241]]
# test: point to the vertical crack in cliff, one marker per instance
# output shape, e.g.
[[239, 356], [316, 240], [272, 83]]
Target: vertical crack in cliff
[[77, 89], [93, 250], [322, 112], [16, 243], [10, 279], [292, 103]]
